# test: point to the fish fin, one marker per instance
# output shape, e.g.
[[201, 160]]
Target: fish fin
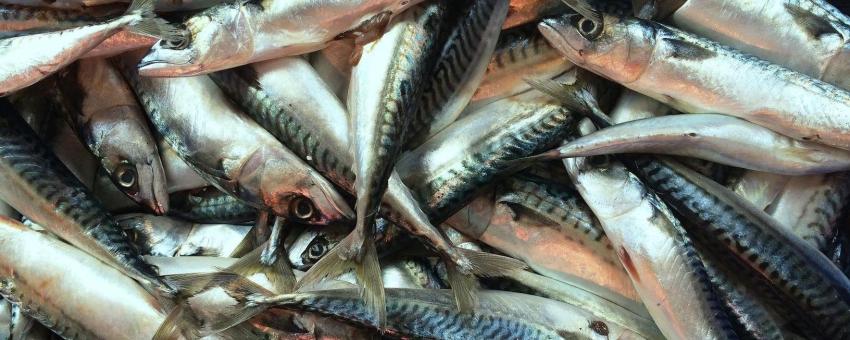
[[248, 74], [491, 265], [151, 25], [246, 293], [464, 287], [279, 273], [576, 98], [525, 161], [366, 269], [585, 9], [179, 322], [243, 331]]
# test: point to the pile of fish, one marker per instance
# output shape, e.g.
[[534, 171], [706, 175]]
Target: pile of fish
[[447, 169]]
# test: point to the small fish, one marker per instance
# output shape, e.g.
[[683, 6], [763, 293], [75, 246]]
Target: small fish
[[36, 183], [115, 129], [807, 36], [57, 284], [717, 138], [46, 53], [695, 75], [234, 34], [459, 70]]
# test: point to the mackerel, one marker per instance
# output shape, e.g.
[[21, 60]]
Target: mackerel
[[811, 206], [210, 205]]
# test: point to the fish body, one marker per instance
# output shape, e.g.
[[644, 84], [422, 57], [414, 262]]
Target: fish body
[[460, 69], [36, 184], [66, 290], [21, 18], [231, 151], [717, 138], [211, 205], [655, 250], [234, 34], [809, 36], [115, 129], [46, 53], [695, 75], [811, 206]]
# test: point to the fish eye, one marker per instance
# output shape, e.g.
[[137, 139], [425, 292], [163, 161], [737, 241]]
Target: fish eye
[[302, 208], [125, 176], [317, 249], [588, 28], [599, 161]]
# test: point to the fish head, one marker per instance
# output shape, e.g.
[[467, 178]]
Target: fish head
[[306, 197], [611, 189], [132, 161], [616, 48], [311, 244], [213, 40]]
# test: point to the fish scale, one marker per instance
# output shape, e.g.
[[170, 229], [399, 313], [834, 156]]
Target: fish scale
[[814, 285], [80, 219]]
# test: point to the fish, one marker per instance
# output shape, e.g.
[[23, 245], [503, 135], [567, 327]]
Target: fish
[[210, 205], [46, 53], [526, 11], [686, 72], [652, 245], [56, 284], [718, 138], [263, 31], [460, 69], [179, 175], [115, 129], [811, 206], [760, 188], [243, 160], [333, 64], [520, 53], [168, 236], [385, 83], [22, 18], [808, 36], [123, 41], [160, 5], [39, 186]]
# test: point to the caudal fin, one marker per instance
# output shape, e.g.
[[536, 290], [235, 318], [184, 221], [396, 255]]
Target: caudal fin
[[491, 265], [279, 273], [366, 269], [148, 23], [464, 287]]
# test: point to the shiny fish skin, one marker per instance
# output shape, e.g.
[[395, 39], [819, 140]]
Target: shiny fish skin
[[109, 120], [58, 284], [520, 53], [525, 11], [41, 188], [46, 53], [696, 75], [460, 69], [382, 100], [717, 138], [230, 35], [808, 36], [211, 205], [19, 18], [655, 250], [810, 206], [431, 314], [243, 160], [805, 277]]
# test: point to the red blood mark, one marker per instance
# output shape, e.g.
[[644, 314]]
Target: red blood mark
[[626, 259]]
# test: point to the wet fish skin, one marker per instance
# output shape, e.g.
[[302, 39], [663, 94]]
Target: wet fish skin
[[211, 205], [803, 275], [46, 53], [56, 284], [459, 70], [20, 18], [428, 313], [654, 248], [113, 126], [230, 35], [520, 53], [811, 207], [245, 160], [696, 75], [37, 184], [717, 138], [808, 36]]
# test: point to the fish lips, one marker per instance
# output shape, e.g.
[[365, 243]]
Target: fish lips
[[166, 62]]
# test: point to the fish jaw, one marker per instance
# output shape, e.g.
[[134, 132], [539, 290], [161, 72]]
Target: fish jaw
[[331, 205], [621, 51], [153, 193], [165, 62]]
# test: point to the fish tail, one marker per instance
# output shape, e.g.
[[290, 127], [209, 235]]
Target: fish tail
[[490, 265], [576, 98], [180, 322], [464, 287], [148, 23], [365, 266], [278, 272], [248, 296]]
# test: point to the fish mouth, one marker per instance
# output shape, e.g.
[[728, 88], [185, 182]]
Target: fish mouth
[[163, 62], [329, 202], [152, 193]]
